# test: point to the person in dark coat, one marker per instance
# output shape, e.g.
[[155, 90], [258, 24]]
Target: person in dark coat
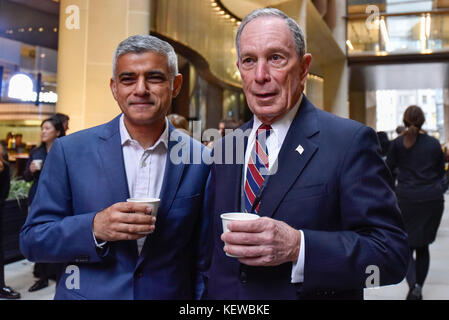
[[5, 183], [52, 128], [384, 143], [421, 184]]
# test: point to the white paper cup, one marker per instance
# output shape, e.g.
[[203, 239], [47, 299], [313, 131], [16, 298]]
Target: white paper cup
[[38, 163], [235, 216], [152, 202]]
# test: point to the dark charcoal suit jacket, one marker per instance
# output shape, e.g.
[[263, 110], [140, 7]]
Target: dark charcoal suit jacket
[[337, 192]]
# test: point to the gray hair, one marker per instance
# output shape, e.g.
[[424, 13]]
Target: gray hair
[[145, 43], [297, 33]]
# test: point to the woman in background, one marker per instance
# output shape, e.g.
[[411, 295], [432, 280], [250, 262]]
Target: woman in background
[[51, 129], [421, 184], [5, 183]]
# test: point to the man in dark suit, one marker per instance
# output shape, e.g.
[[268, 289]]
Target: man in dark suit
[[80, 216], [330, 223]]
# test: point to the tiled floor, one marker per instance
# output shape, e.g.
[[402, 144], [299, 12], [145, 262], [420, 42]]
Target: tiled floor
[[19, 274]]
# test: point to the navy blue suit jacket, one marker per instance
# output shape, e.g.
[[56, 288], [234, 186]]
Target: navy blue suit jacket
[[338, 193], [83, 174]]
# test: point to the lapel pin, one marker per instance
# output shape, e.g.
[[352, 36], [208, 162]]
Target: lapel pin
[[300, 149]]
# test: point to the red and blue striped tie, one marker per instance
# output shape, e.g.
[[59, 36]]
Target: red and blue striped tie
[[257, 167]]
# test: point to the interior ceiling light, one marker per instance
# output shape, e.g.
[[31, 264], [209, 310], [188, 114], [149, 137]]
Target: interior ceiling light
[[225, 13], [349, 44]]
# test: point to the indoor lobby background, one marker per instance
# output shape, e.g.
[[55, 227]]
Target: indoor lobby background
[[371, 59]]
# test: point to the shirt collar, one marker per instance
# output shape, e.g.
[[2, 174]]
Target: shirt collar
[[281, 126], [126, 138]]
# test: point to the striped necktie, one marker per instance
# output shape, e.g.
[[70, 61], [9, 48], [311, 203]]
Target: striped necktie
[[257, 167]]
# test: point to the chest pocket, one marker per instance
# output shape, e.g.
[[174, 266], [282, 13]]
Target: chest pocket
[[187, 201], [306, 192]]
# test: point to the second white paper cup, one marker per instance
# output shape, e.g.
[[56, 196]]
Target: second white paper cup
[[236, 216]]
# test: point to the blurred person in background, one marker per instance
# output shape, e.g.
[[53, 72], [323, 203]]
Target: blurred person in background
[[384, 143], [64, 119], [400, 130], [5, 291], [20, 145], [51, 129], [228, 123], [179, 122], [419, 162], [223, 125]]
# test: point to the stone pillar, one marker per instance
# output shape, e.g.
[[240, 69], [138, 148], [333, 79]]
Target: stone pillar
[[336, 88], [89, 32], [371, 109], [357, 106]]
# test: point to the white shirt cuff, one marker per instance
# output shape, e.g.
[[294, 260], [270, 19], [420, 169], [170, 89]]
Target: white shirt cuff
[[298, 266], [98, 245]]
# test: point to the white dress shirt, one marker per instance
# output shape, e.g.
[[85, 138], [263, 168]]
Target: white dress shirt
[[144, 168], [274, 143]]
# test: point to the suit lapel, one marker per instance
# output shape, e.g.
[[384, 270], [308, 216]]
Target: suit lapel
[[111, 155], [172, 175], [290, 162]]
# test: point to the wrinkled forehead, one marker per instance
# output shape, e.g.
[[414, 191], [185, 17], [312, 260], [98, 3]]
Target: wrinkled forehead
[[267, 31]]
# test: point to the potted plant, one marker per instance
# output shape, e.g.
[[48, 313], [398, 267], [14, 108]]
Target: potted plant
[[14, 215]]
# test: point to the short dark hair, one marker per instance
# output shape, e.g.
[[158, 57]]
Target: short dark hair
[[56, 124], [61, 117]]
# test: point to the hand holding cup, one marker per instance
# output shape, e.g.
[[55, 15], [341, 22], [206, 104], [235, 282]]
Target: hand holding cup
[[124, 221]]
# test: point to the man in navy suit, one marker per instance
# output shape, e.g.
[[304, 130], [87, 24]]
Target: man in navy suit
[[330, 224], [80, 216]]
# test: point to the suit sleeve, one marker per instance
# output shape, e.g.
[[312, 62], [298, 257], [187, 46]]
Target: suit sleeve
[[52, 232], [372, 235]]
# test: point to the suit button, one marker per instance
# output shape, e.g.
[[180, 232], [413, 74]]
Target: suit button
[[243, 277]]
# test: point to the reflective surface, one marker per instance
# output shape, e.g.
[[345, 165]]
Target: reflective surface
[[201, 26], [377, 33]]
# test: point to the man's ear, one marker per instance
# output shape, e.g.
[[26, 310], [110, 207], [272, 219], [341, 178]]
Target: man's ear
[[177, 84], [306, 61], [113, 88]]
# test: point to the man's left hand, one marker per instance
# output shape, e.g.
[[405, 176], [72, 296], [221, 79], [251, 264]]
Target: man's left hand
[[262, 242]]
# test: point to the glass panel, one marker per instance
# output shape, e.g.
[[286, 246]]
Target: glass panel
[[395, 6], [391, 105], [417, 33]]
